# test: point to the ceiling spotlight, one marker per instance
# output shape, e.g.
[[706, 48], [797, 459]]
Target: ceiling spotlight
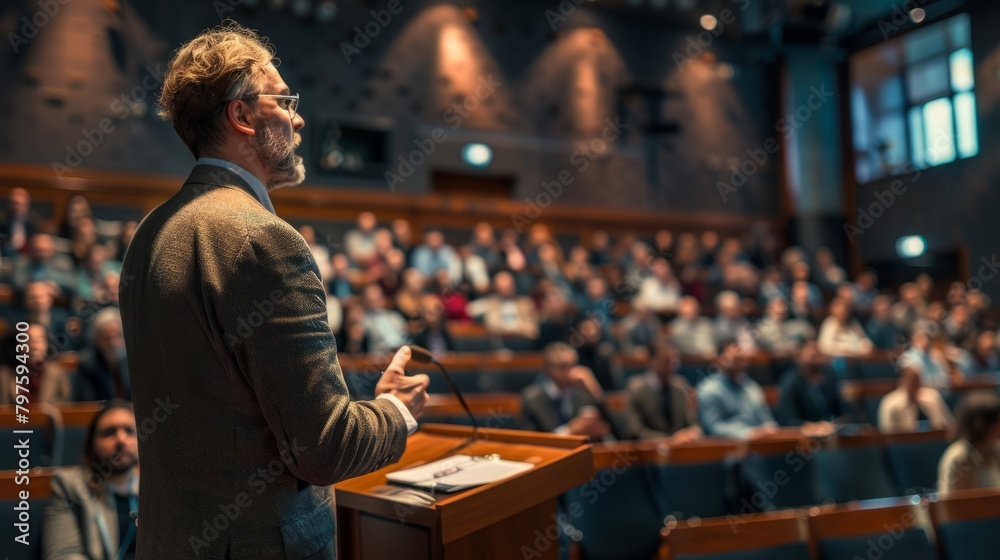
[[917, 15], [708, 22], [477, 155], [911, 246], [326, 10]]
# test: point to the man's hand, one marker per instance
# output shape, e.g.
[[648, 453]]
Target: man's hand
[[412, 391], [588, 422]]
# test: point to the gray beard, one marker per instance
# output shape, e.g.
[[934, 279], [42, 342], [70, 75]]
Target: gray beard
[[284, 167]]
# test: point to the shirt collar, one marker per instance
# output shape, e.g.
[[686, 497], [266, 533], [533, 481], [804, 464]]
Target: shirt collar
[[653, 381], [255, 183], [551, 389]]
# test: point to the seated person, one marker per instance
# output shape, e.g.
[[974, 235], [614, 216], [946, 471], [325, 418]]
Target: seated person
[[690, 332], [841, 335], [932, 354], [100, 497], [809, 398], [47, 381], [505, 312], [880, 327], [730, 404], [912, 407], [385, 328], [103, 370], [432, 330], [780, 336], [660, 401], [566, 399], [973, 460]]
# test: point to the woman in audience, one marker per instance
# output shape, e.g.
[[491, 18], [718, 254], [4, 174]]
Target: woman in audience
[[841, 335], [973, 460]]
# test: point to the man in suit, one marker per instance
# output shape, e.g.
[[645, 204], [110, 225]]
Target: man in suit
[[810, 398], [17, 223], [90, 514], [660, 402], [565, 400], [225, 323]]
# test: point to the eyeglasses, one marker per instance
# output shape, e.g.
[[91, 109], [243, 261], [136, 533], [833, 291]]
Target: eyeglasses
[[287, 102]]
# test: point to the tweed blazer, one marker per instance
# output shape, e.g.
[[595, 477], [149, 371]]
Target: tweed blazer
[[243, 414]]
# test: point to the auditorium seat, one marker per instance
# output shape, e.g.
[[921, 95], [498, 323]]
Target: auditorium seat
[[45, 441], [841, 463], [967, 523], [789, 473], [876, 369], [694, 478], [615, 514], [913, 458], [881, 529], [780, 535]]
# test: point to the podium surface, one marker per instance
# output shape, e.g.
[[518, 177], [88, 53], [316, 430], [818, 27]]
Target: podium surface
[[377, 519]]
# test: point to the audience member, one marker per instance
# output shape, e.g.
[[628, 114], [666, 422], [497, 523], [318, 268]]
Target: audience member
[[691, 333], [565, 400], [504, 312], [94, 507], [44, 263], [881, 329], [778, 335], [43, 380], [912, 406], [841, 335], [597, 354], [973, 460], [809, 397], [359, 243], [928, 358], [103, 372], [385, 329], [435, 255], [661, 292], [660, 402], [730, 404], [17, 223], [432, 330]]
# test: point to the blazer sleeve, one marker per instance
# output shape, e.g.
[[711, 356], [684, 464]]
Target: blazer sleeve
[[273, 314], [61, 538]]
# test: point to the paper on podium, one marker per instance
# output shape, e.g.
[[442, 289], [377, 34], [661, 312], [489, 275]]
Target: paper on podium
[[458, 473]]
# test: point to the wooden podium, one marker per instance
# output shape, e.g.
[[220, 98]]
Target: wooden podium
[[495, 521]]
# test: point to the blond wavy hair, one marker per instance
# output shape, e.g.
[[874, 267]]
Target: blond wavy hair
[[220, 64]]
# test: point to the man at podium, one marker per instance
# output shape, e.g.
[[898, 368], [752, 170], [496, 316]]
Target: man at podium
[[244, 415]]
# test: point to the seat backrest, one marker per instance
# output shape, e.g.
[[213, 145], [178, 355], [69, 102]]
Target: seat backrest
[[966, 523], [697, 480], [783, 472], [883, 529], [614, 515], [855, 471], [913, 460], [764, 536]]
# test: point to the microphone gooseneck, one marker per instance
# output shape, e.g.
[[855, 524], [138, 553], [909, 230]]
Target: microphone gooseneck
[[422, 355]]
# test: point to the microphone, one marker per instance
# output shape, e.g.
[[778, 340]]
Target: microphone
[[422, 355]]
